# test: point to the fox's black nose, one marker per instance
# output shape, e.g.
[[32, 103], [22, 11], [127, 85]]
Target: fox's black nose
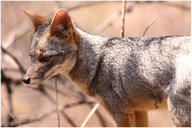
[[26, 79]]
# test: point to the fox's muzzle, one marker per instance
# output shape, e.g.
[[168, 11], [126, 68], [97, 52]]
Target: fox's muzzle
[[35, 74], [26, 80]]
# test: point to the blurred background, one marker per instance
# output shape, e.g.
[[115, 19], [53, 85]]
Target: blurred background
[[26, 106]]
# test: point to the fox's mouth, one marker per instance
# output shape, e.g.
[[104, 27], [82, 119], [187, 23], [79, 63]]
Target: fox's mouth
[[39, 82], [36, 81]]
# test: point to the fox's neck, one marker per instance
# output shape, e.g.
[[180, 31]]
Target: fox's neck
[[88, 55]]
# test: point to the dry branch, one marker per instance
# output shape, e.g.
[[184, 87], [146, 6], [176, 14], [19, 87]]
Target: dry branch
[[122, 34], [43, 91], [15, 59], [111, 20], [54, 89], [78, 103], [9, 113], [131, 116], [90, 115], [146, 29], [9, 90], [68, 119], [57, 107], [30, 120], [15, 33], [101, 119]]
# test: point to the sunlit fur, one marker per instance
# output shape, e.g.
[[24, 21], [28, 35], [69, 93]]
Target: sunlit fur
[[124, 74]]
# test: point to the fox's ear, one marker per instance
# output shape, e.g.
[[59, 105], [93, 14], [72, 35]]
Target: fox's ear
[[35, 18], [61, 21]]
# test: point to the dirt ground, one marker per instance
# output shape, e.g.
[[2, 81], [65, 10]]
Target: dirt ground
[[172, 18]]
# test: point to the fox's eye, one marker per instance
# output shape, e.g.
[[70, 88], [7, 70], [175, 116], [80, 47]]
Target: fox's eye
[[45, 59]]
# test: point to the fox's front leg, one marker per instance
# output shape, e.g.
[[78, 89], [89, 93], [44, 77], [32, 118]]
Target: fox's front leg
[[125, 119], [123, 116], [141, 118], [131, 119]]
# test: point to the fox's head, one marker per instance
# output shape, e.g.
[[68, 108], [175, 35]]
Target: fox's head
[[52, 48]]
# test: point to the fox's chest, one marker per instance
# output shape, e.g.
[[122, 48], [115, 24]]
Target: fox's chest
[[147, 105]]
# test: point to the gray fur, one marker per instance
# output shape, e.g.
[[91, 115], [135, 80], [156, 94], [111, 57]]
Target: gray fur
[[123, 72]]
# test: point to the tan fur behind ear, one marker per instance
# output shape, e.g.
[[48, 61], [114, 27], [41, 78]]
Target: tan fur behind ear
[[35, 18]]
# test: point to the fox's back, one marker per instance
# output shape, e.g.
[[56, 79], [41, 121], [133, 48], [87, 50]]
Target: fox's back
[[145, 66]]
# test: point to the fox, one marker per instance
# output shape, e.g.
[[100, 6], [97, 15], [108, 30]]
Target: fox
[[125, 75]]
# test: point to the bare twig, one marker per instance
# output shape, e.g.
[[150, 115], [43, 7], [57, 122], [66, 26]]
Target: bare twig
[[146, 29], [10, 69], [54, 89], [78, 103], [122, 34], [15, 33], [15, 59], [9, 92], [101, 119], [90, 115], [83, 101], [43, 91], [111, 20], [98, 114], [9, 113], [60, 91], [57, 107], [68, 119], [30, 120], [107, 23]]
